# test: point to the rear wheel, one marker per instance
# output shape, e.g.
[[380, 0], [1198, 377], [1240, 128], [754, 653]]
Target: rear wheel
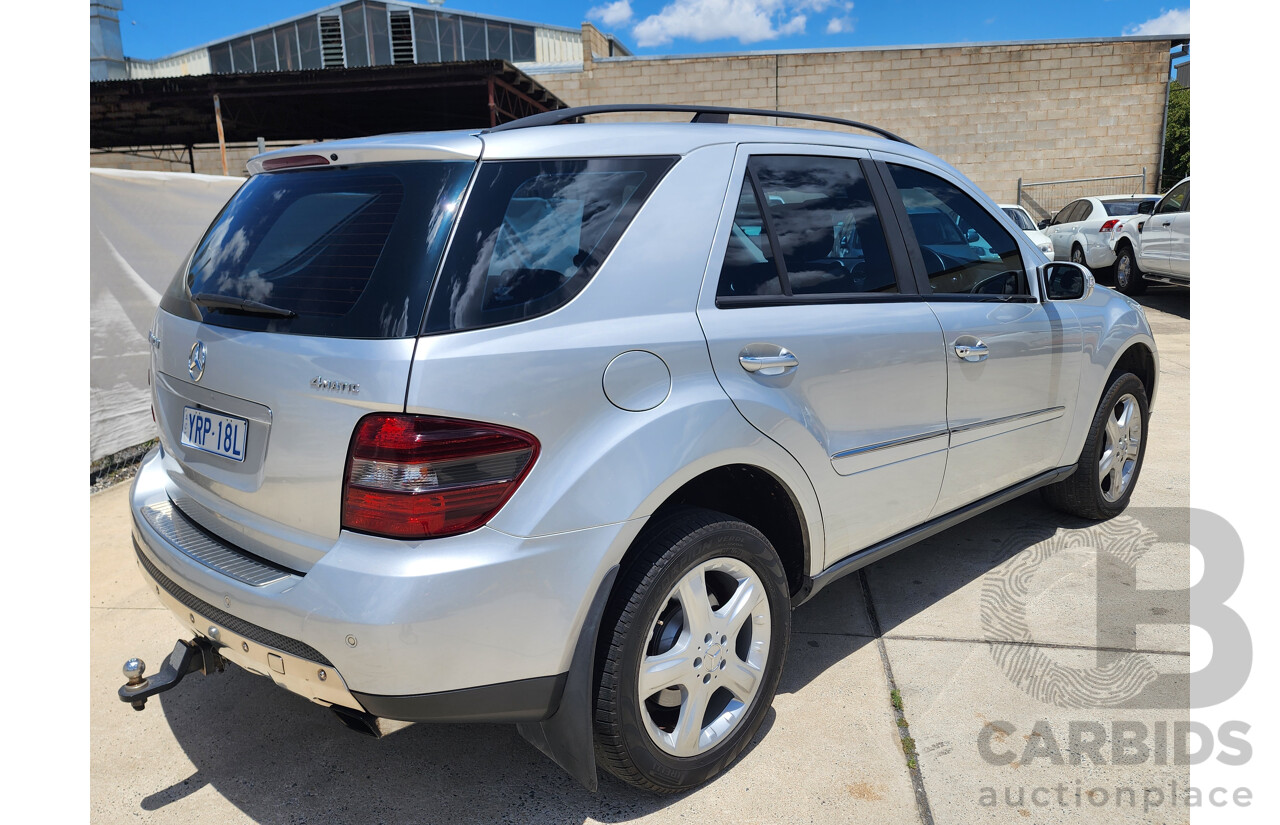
[[1111, 460], [1128, 276], [691, 652]]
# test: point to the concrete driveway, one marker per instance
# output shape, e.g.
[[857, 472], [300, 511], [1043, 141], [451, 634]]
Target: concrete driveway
[[989, 633]]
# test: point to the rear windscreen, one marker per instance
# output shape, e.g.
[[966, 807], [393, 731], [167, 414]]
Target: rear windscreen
[[1121, 208], [532, 235], [344, 252]]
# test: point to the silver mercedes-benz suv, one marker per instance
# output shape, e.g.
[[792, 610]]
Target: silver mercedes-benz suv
[[555, 423]]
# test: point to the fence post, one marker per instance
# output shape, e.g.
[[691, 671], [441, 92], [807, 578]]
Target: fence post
[[1144, 180]]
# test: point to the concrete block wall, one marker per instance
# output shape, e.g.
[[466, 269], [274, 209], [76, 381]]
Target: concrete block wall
[[1042, 112], [208, 160]]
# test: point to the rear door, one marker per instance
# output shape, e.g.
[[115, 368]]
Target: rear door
[[816, 335], [296, 316], [1013, 363]]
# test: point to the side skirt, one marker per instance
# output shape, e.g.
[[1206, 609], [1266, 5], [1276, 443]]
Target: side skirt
[[893, 544]]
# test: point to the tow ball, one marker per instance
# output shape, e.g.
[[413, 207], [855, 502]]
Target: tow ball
[[197, 655]]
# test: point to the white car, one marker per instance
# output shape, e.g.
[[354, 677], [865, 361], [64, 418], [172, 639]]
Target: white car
[[1156, 247], [1024, 222], [1080, 230]]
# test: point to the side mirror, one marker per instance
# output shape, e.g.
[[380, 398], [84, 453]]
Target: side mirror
[[1146, 207], [1065, 281], [1044, 224], [971, 236]]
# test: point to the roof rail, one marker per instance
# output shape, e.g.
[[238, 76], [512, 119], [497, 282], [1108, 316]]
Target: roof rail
[[702, 114]]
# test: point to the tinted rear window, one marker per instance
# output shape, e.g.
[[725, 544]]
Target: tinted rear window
[[350, 250], [532, 235], [1126, 207], [1021, 219]]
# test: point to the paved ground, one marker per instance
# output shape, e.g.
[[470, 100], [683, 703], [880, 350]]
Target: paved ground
[[990, 632]]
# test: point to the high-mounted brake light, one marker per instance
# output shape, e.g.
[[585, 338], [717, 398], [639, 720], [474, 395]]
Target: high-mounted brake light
[[419, 476], [1110, 226], [293, 162]]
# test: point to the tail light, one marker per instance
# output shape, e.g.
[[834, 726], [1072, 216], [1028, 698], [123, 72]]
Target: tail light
[[1110, 226], [419, 476]]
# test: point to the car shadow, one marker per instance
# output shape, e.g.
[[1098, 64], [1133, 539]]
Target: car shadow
[[279, 758], [1175, 300], [282, 759]]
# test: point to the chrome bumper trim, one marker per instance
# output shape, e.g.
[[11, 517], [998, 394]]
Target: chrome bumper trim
[[193, 540], [242, 644]]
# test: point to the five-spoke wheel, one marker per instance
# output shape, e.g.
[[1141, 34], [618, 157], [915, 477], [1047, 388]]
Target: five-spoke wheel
[[691, 650]]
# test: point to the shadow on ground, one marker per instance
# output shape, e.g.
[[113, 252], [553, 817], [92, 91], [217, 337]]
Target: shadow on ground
[[279, 758]]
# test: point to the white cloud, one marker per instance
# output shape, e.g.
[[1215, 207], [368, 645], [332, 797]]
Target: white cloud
[[1173, 21], [612, 14], [839, 25], [749, 21]]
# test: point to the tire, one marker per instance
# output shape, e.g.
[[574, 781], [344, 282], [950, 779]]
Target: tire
[[1128, 277], [1110, 462], [1077, 256], [729, 669]]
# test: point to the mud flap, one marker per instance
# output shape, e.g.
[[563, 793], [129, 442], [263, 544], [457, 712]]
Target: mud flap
[[565, 736]]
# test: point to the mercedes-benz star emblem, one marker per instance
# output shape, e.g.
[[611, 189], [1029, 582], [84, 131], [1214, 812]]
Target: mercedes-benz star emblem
[[195, 364]]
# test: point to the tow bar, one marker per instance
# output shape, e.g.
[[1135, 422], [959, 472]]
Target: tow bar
[[199, 654]]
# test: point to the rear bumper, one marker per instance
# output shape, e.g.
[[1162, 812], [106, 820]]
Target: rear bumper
[[478, 627]]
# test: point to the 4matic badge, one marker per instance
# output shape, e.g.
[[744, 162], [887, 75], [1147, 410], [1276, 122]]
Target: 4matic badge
[[331, 385]]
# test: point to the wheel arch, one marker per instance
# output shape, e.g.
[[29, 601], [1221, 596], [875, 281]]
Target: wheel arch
[[756, 496], [1140, 359]]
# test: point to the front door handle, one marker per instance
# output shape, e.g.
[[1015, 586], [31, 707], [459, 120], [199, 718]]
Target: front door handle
[[777, 362], [975, 351]]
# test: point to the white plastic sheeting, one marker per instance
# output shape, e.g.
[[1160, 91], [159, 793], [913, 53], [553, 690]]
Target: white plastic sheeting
[[142, 227]]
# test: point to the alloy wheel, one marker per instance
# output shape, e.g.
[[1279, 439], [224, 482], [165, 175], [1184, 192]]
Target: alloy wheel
[[705, 658], [1121, 448]]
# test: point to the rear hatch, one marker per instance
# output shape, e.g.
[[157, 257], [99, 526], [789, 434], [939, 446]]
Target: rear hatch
[[296, 316]]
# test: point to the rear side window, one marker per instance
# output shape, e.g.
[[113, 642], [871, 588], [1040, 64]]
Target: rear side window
[[349, 252], [1122, 208], [533, 234], [824, 223], [1020, 218]]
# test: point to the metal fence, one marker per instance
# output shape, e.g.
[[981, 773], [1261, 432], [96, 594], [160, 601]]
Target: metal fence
[[117, 467], [1043, 200]]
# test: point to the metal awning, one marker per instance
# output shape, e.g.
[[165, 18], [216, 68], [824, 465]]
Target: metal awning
[[314, 104]]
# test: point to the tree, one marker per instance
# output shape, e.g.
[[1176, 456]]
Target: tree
[[1177, 137]]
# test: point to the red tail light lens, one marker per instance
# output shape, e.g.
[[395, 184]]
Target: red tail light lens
[[419, 476], [1110, 226], [294, 162]]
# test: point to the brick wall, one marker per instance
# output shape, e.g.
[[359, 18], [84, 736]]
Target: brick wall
[[1040, 112]]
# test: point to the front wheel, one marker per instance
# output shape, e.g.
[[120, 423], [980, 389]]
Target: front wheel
[[1128, 276], [1108, 468], [691, 651]]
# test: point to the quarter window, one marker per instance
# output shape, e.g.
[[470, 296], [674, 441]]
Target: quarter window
[[965, 249], [533, 234]]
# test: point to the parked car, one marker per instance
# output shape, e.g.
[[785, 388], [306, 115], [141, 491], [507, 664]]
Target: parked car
[[1156, 247], [1081, 229], [537, 424], [1024, 222]]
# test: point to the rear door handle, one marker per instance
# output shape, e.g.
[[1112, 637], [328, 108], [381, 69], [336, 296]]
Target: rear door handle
[[976, 351], [771, 364]]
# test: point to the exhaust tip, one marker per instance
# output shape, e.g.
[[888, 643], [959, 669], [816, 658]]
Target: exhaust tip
[[358, 721]]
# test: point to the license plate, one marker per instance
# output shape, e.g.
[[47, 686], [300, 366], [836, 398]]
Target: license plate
[[215, 433]]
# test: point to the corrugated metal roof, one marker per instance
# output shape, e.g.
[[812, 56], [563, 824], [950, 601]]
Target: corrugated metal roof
[[336, 6]]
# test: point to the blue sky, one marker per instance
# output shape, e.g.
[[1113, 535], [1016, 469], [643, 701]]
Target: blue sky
[[152, 28]]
